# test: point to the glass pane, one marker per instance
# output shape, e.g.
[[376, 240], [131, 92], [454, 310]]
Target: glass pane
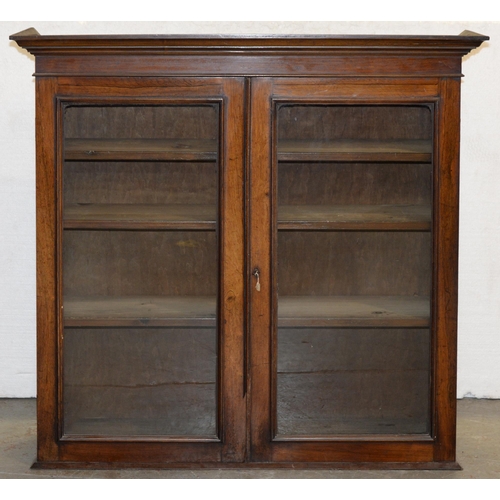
[[354, 251], [140, 381], [140, 270]]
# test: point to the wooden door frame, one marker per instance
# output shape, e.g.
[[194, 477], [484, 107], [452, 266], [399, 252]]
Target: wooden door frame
[[437, 449], [52, 449]]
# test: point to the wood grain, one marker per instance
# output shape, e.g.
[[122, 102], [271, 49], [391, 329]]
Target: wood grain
[[355, 217], [295, 311], [176, 123], [136, 216], [168, 388], [446, 274], [141, 183], [140, 149], [355, 150], [320, 368], [46, 283], [352, 311], [291, 151], [139, 311], [120, 263], [354, 263], [191, 217]]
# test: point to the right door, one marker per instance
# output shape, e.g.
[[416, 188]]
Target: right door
[[351, 277]]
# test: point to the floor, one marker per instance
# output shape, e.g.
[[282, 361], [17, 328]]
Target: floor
[[478, 451]]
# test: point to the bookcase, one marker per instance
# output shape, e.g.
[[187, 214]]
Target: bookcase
[[247, 250]]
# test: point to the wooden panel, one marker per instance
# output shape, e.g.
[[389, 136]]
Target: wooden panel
[[46, 265], [333, 382], [355, 150], [259, 197], [232, 324], [355, 217], [134, 216], [342, 88], [318, 403], [139, 90], [358, 451], [189, 121], [446, 274], [140, 183], [116, 263], [341, 64], [332, 122], [167, 388], [354, 184], [353, 311], [321, 350], [139, 311], [354, 263]]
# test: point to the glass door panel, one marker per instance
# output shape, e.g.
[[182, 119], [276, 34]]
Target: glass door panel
[[354, 251], [140, 270]]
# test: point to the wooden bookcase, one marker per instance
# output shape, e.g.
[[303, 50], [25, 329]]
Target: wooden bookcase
[[247, 250]]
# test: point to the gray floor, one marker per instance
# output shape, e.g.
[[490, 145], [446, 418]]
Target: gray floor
[[478, 450]]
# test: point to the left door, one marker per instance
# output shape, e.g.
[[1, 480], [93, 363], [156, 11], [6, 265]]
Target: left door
[[149, 295]]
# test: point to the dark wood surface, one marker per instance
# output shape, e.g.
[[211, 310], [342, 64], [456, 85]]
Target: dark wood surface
[[356, 150], [320, 368], [205, 150], [446, 273], [335, 311], [294, 311], [248, 55], [140, 311], [117, 263], [160, 190], [46, 283], [355, 217], [354, 263], [140, 149], [169, 388], [189, 217], [136, 216]]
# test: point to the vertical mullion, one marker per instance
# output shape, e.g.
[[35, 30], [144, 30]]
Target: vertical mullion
[[232, 290], [260, 191]]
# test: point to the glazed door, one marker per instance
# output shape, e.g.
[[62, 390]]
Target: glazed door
[[342, 323], [150, 262]]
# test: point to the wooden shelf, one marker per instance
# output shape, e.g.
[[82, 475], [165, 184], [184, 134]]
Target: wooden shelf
[[133, 311], [356, 151], [139, 150], [131, 216], [353, 311], [288, 151], [290, 217], [293, 311], [355, 217]]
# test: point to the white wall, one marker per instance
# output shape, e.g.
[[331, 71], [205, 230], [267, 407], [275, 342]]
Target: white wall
[[479, 305]]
